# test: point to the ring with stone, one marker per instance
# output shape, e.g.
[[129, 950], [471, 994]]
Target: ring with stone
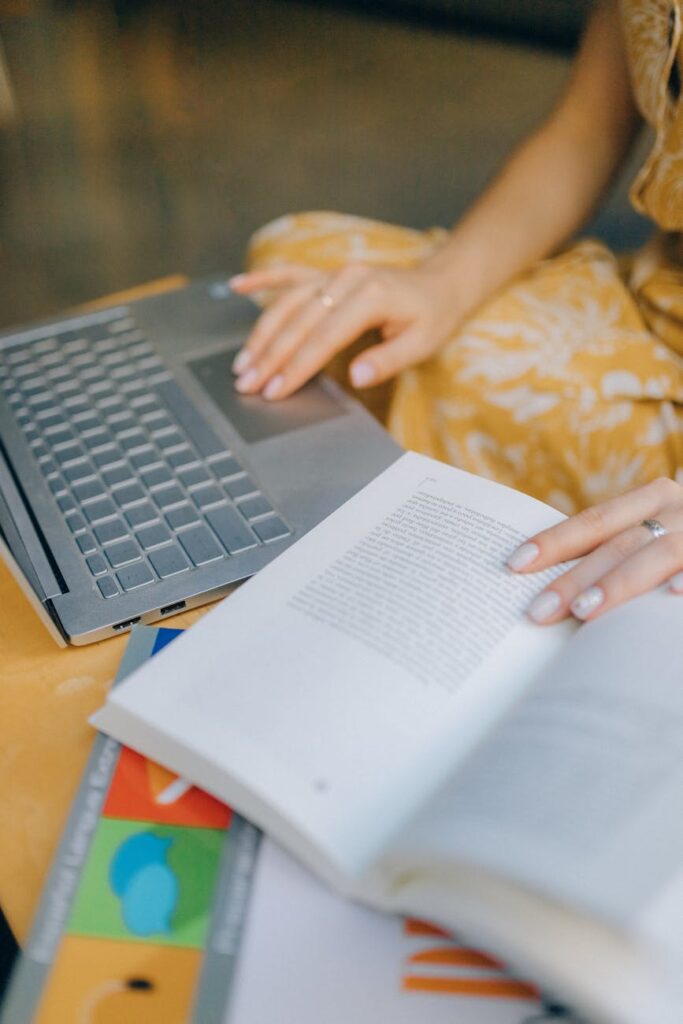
[[327, 300], [655, 527]]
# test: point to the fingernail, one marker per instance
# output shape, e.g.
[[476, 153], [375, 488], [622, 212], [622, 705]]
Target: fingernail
[[676, 583], [246, 381], [362, 374], [237, 280], [273, 387], [585, 603], [523, 556], [241, 361], [544, 606]]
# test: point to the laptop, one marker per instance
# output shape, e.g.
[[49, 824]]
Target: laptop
[[135, 482]]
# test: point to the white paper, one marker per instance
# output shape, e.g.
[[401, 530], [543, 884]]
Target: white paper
[[316, 729]]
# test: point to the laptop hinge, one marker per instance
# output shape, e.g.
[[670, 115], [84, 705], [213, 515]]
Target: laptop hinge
[[22, 538]]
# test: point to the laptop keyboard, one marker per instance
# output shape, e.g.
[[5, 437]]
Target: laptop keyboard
[[145, 486]]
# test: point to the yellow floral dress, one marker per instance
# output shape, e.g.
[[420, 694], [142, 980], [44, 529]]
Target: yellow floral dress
[[568, 384]]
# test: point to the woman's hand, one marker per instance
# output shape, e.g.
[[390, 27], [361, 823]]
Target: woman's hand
[[620, 557], [318, 314]]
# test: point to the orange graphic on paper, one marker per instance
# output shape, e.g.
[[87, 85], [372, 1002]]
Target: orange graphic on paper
[[144, 791], [98, 981], [487, 979]]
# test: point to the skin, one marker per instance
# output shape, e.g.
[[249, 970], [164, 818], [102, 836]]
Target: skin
[[574, 153]]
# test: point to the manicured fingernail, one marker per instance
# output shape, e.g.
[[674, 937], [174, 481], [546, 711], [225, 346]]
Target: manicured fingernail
[[523, 556], [273, 387], [362, 374], [586, 603], [246, 381], [544, 606], [241, 361], [237, 280], [676, 583]]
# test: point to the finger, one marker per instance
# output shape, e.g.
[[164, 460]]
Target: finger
[[298, 330], [583, 532], [644, 570], [273, 277], [382, 362], [268, 326], [554, 603], [340, 328]]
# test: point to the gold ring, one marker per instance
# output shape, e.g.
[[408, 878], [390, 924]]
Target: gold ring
[[327, 300]]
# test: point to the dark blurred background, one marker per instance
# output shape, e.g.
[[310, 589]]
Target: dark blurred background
[[146, 137]]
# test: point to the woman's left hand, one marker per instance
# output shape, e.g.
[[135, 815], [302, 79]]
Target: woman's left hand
[[627, 546]]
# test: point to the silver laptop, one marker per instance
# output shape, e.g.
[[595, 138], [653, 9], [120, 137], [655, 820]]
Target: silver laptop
[[135, 482]]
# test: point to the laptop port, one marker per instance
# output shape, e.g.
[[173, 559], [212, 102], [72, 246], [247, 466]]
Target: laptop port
[[126, 624], [169, 609]]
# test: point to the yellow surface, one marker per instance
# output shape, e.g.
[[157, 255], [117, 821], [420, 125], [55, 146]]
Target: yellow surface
[[46, 696], [88, 983]]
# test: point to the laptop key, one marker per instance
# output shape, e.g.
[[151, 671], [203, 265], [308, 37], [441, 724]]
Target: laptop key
[[75, 522], [168, 562], [88, 489], [134, 576], [86, 543], [200, 545], [59, 435], [129, 494], [107, 587], [226, 467], [251, 508], [107, 456], [66, 503], [193, 476], [183, 457], [102, 508], [190, 418], [40, 452], [271, 529], [156, 477], [171, 439], [240, 487], [138, 515], [79, 471], [70, 453], [97, 439], [146, 457], [153, 536], [231, 529], [184, 515], [118, 475], [122, 553], [122, 421], [91, 421], [205, 496], [113, 529], [136, 439], [165, 497], [56, 485], [96, 564]]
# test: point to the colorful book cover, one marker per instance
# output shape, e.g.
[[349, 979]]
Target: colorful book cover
[[162, 906]]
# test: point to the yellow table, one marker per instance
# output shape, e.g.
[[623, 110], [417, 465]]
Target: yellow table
[[46, 696]]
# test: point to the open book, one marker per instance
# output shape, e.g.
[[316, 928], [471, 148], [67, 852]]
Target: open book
[[376, 701]]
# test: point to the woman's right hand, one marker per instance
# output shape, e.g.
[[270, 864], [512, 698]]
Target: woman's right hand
[[317, 314]]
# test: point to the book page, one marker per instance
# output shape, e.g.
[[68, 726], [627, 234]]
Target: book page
[[577, 793], [311, 957], [328, 696]]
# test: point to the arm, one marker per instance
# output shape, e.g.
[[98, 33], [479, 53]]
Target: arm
[[552, 183], [544, 192]]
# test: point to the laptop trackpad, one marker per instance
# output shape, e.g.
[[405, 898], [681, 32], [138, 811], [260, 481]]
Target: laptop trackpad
[[252, 417]]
